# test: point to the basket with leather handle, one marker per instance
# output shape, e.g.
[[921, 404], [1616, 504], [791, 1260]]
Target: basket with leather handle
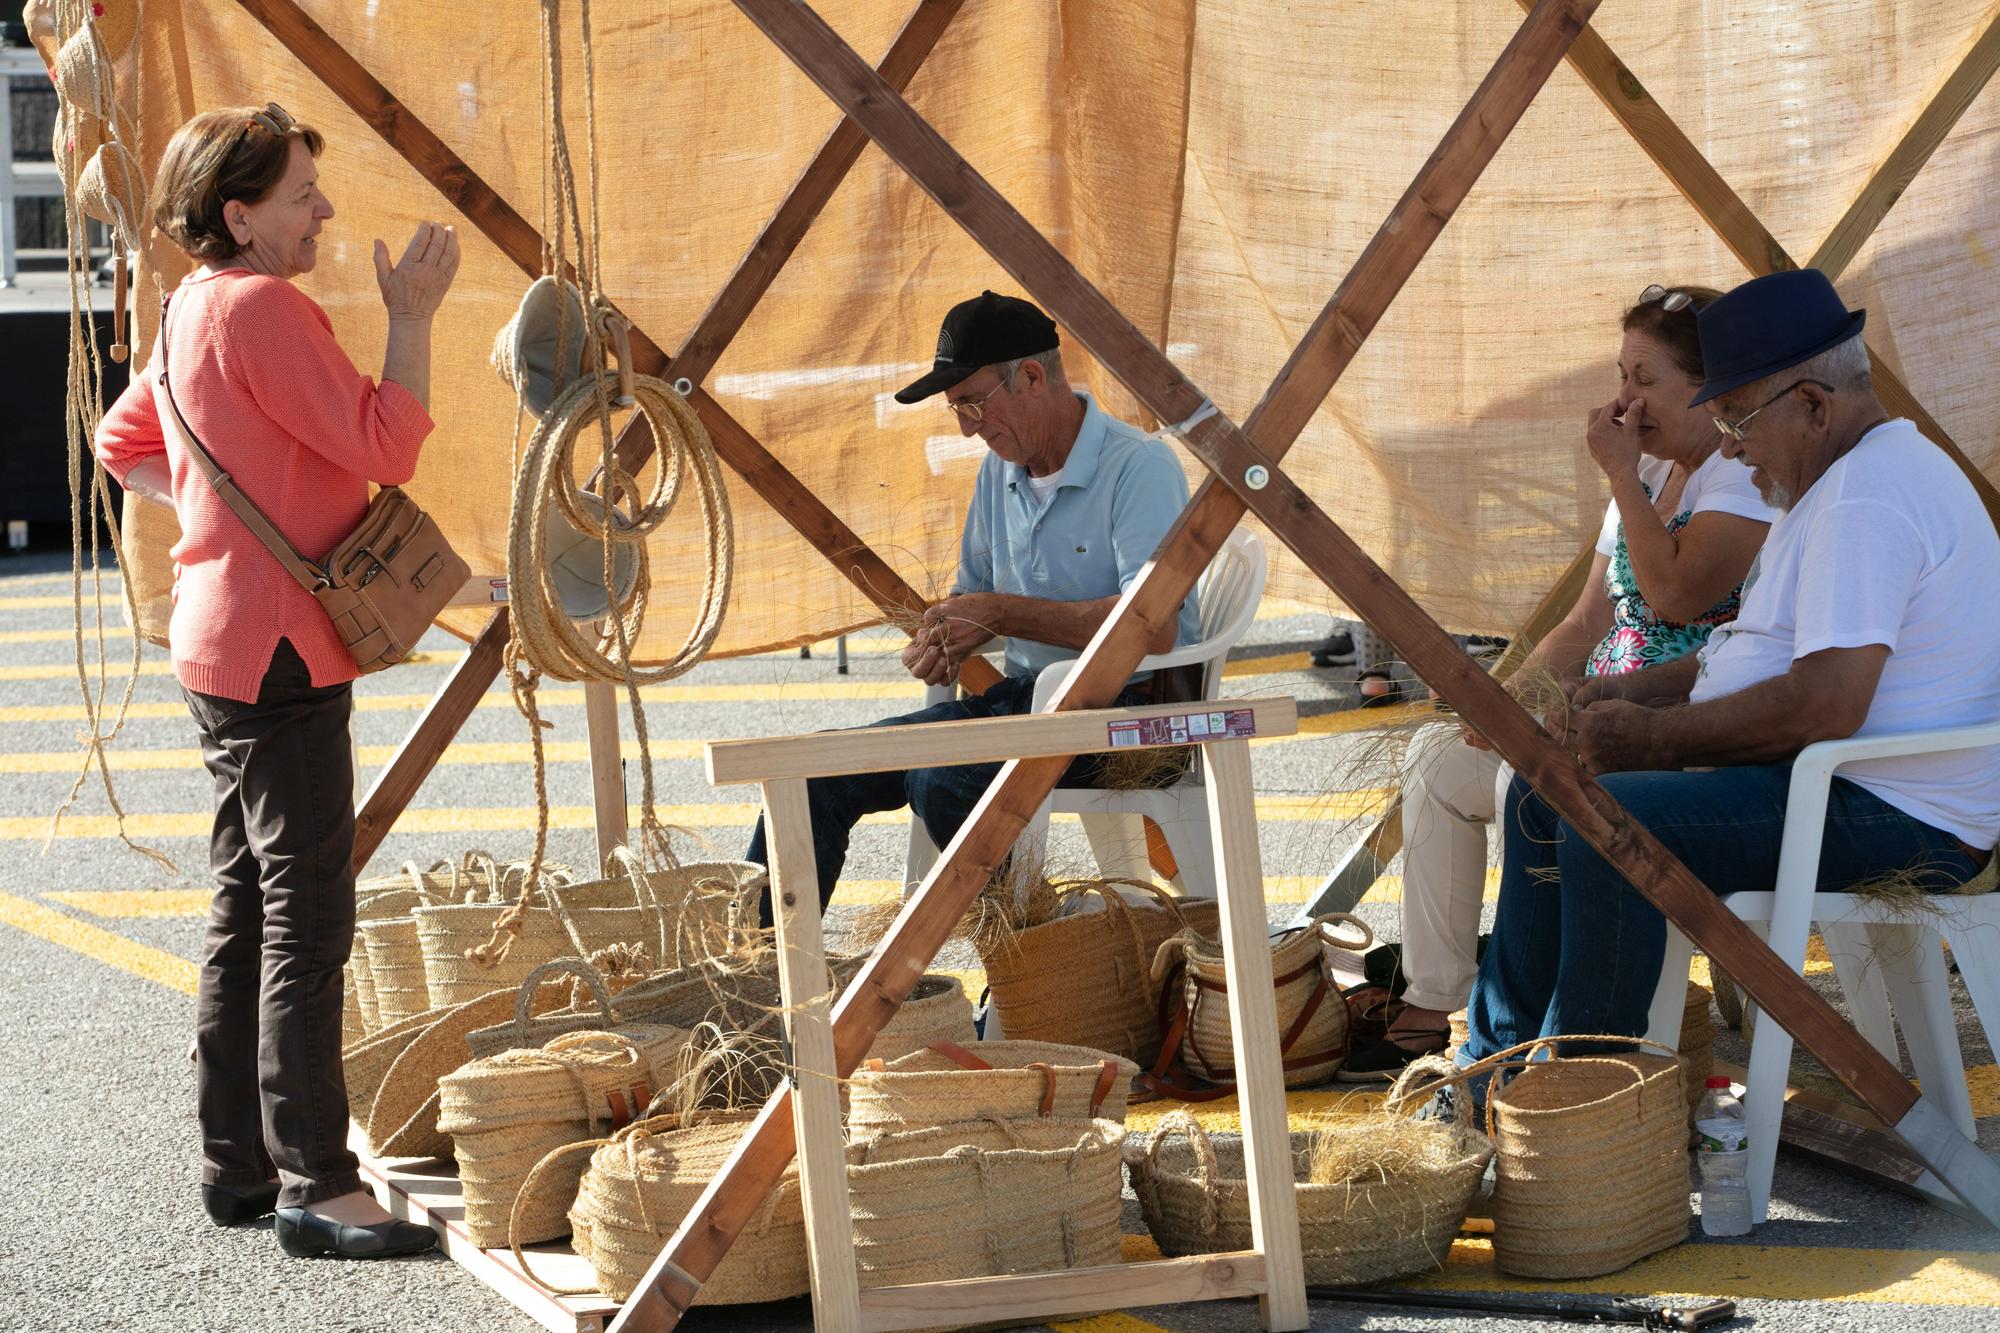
[[1194, 1008], [385, 582]]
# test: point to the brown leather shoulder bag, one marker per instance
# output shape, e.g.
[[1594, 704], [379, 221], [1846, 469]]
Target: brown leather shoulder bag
[[382, 586]]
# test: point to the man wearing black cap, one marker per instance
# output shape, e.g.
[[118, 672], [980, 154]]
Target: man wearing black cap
[[1068, 506], [1861, 617]]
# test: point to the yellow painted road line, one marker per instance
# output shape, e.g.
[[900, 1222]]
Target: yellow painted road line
[[131, 904], [63, 635], [94, 942], [49, 602], [503, 819], [560, 696], [372, 756], [116, 672], [874, 892], [1109, 1323], [1756, 1272]]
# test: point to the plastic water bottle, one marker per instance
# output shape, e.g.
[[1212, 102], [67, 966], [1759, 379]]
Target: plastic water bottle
[[1722, 1146]]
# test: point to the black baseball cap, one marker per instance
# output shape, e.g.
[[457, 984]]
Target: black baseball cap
[[988, 329]]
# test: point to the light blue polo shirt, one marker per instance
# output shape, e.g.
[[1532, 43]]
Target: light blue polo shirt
[[1120, 491]]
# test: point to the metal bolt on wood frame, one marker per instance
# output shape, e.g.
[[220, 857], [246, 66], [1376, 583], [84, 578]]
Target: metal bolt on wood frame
[[1272, 1269]]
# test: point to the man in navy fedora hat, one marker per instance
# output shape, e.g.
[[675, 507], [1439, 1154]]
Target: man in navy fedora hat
[[1860, 617], [1068, 505]]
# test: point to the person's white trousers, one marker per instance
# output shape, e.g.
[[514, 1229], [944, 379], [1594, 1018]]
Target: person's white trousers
[[1450, 794]]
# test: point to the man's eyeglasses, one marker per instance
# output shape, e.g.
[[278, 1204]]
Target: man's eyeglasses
[[1671, 301], [1734, 429], [974, 409], [274, 120]]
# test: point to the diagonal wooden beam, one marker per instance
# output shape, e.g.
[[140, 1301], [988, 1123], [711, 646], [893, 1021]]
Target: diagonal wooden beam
[[1911, 152], [398, 783], [737, 1190], [1731, 219]]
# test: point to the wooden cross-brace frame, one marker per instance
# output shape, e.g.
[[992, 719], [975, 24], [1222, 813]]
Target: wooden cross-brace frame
[[1759, 251], [1247, 478], [501, 224], [1244, 462]]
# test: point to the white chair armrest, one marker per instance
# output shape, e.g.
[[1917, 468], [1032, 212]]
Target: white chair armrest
[[1823, 757]]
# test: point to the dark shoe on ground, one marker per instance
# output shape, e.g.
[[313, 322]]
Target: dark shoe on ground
[[230, 1206], [1335, 650], [1388, 1058], [304, 1235]]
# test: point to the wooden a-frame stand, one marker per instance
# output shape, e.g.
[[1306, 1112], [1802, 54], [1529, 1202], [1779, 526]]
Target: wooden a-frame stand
[[1247, 477], [1272, 1269]]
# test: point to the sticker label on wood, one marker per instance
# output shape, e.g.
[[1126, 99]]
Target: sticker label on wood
[[1183, 729]]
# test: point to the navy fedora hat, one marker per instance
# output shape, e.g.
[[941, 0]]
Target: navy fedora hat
[[1768, 324]]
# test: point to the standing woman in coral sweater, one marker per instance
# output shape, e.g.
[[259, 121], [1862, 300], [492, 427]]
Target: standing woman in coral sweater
[[266, 389]]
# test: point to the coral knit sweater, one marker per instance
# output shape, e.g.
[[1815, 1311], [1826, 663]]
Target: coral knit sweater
[[263, 385]]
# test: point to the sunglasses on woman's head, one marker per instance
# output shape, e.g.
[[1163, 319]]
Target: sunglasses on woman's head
[[1671, 301], [274, 120]]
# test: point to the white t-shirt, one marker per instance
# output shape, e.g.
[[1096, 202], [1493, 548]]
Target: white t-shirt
[[1718, 486], [1890, 546], [1044, 487]]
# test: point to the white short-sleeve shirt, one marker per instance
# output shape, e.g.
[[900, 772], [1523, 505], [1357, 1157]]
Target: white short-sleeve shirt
[[1719, 485], [1890, 546]]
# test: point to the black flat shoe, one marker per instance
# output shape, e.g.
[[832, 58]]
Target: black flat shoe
[[305, 1235], [232, 1206], [1385, 1061]]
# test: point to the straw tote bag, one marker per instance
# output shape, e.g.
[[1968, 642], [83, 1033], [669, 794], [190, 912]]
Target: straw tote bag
[[1194, 997], [1590, 1155], [507, 1112], [1085, 977], [1015, 1080], [381, 586]]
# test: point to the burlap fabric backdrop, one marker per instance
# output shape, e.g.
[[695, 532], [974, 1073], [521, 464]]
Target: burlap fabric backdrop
[[1215, 166]]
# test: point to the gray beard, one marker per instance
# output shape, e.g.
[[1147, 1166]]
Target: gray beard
[[1780, 499]]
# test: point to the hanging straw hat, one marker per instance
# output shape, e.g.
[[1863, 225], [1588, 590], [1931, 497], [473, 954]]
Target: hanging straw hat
[[576, 562], [112, 189], [525, 351], [83, 73]]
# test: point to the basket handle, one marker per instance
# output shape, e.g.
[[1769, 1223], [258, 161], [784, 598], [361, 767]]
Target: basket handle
[[1518, 1056], [1321, 923], [521, 1200], [524, 999], [1205, 1166], [958, 1055]]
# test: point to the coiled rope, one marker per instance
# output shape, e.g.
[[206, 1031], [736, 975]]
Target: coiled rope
[[544, 640]]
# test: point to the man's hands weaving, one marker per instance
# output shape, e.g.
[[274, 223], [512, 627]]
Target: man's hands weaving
[[952, 629]]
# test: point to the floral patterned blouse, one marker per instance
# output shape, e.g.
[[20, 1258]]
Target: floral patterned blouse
[[1639, 638]]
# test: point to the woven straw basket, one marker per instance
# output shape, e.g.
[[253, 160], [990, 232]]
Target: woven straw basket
[[1591, 1167], [1312, 1016], [507, 1112], [1195, 1200], [1015, 1080], [1697, 1045], [644, 1179], [1085, 978], [984, 1198], [401, 1118], [389, 897], [937, 1010], [395, 968], [530, 1029]]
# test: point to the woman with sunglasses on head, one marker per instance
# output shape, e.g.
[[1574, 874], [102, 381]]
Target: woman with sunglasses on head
[[1678, 539], [260, 381]]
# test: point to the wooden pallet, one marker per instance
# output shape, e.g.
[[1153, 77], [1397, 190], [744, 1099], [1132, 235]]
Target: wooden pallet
[[427, 1191]]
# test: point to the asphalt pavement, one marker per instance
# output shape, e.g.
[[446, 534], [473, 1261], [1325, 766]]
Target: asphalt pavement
[[102, 1227]]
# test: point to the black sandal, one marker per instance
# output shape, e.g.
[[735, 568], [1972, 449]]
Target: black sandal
[[1388, 1058]]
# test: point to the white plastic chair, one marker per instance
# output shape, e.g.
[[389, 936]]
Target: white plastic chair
[[1872, 947], [1113, 821]]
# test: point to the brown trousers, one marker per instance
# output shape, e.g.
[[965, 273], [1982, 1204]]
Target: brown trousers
[[269, 1089]]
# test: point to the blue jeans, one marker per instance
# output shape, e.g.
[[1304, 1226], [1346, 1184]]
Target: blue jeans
[[1577, 949], [941, 797]]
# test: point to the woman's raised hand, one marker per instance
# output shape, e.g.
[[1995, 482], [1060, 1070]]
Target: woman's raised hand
[[1614, 440], [415, 287]]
